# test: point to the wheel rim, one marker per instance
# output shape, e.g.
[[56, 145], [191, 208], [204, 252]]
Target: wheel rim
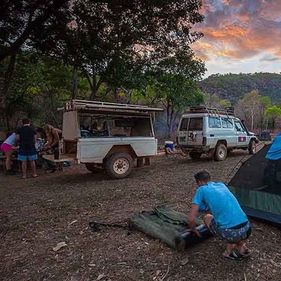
[[254, 147], [221, 153], [121, 166]]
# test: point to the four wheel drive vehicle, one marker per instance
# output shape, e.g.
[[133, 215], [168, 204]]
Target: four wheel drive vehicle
[[108, 136], [213, 132]]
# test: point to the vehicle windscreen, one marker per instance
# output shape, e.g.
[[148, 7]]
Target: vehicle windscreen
[[195, 124]]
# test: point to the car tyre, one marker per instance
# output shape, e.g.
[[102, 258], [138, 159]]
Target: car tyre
[[252, 147], [119, 165], [220, 152]]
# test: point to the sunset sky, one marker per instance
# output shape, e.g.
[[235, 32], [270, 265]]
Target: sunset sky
[[241, 36]]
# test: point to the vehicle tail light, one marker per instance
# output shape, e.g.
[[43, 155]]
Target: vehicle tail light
[[204, 141]]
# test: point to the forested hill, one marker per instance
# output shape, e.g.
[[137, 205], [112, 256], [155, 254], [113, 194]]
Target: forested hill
[[235, 86]]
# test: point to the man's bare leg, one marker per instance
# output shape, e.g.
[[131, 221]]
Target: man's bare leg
[[24, 169], [33, 168], [242, 248], [229, 247]]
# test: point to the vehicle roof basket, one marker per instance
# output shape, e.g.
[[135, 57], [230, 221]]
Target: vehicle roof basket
[[229, 111], [107, 107]]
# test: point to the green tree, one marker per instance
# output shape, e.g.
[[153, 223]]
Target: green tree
[[21, 22], [172, 92], [40, 85], [273, 112], [213, 100], [251, 108], [118, 38]]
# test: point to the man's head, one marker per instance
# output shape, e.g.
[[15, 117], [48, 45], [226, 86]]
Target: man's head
[[202, 177], [25, 121]]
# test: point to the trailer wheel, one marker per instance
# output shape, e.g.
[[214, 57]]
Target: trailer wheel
[[252, 147], [92, 168], [119, 165], [195, 155], [220, 152]]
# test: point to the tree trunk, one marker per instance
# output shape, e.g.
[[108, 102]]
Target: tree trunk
[[74, 89], [8, 75], [168, 122], [6, 85]]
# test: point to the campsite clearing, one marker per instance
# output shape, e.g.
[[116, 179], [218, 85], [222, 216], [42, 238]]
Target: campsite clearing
[[45, 235]]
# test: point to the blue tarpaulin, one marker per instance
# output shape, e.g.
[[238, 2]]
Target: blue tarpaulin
[[274, 152]]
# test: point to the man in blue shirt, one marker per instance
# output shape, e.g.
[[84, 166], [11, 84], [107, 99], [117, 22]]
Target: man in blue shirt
[[224, 217]]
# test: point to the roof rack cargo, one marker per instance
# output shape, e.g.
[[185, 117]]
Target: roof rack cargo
[[107, 107], [211, 111]]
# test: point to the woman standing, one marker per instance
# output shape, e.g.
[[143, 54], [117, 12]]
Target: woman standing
[[8, 147]]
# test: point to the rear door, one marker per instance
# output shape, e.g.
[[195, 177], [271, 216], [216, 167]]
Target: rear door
[[182, 132], [191, 131], [241, 134], [195, 131]]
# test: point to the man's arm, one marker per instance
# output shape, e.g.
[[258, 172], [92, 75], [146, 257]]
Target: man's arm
[[193, 215]]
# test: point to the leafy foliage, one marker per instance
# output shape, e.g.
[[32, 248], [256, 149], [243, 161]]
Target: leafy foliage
[[235, 86], [22, 22], [112, 40], [40, 85]]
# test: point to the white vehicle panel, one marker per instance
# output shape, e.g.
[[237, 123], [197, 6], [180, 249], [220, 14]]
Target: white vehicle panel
[[94, 150]]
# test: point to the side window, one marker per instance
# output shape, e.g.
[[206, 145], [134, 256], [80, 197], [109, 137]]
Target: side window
[[238, 126], [184, 123], [226, 122], [214, 122]]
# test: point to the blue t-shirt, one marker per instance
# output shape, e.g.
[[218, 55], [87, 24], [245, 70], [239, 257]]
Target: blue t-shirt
[[216, 197]]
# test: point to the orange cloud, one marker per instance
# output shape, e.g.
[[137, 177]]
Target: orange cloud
[[240, 29]]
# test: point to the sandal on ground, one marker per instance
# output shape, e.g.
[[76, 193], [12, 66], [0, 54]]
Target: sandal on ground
[[233, 256], [245, 254]]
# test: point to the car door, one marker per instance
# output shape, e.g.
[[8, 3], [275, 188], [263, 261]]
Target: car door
[[195, 131], [229, 131], [241, 134]]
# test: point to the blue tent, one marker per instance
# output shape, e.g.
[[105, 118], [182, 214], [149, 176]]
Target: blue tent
[[274, 152]]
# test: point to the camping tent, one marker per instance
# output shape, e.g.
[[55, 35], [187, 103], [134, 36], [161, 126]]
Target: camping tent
[[257, 184]]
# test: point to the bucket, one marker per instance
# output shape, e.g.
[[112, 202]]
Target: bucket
[[169, 144]]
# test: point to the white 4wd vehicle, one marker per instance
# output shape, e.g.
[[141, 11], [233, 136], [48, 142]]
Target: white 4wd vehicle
[[213, 132], [108, 136]]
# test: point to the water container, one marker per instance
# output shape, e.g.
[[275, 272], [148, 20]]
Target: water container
[[169, 144]]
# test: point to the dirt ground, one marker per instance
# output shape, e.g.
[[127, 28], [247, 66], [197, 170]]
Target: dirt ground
[[37, 214]]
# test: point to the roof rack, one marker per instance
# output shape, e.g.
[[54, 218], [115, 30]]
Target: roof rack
[[107, 107], [212, 111]]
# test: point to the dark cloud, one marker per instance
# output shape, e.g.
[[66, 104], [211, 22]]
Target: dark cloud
[[269, 58]]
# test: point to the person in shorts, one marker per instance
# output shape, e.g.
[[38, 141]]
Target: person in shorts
[[53, 142], [8, 147], [26, 137], [224, 216]]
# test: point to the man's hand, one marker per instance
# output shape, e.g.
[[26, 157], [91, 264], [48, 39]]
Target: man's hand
[[195, 231]]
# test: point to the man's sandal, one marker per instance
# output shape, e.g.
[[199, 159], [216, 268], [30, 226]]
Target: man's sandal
[[233, 256], [246, 253]]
